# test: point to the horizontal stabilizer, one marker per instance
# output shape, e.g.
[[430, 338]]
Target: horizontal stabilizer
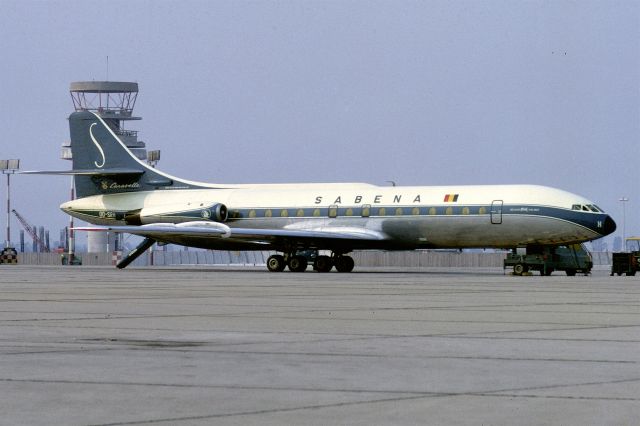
[[88, 172]]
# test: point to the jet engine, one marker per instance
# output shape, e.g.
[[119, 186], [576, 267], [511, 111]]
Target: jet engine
[[177, 213]]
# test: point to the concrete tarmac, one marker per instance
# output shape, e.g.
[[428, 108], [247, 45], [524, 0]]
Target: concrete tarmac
[[194, 346]]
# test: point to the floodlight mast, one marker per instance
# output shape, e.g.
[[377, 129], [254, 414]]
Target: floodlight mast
[[153, 157], [9, 167]]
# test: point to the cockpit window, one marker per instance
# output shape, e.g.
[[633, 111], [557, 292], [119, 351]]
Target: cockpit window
[[587, 208]]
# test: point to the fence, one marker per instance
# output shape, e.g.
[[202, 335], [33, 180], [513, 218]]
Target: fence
[[416, 259]]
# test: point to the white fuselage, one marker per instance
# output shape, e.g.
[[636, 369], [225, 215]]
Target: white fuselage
[[411, 217]]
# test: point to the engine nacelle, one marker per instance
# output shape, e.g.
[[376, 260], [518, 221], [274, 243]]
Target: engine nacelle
[[177, 213], [219, 212]]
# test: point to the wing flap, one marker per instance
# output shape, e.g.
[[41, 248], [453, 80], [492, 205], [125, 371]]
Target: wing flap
[[331, 233]]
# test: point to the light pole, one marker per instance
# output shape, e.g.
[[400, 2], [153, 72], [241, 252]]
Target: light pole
[[9, 167], [624, 200], [152, 159]]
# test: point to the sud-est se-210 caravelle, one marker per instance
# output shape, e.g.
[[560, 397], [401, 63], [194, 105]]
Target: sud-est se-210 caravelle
[[118, 192]]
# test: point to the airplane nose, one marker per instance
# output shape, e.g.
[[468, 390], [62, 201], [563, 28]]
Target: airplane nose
[[609, 226]]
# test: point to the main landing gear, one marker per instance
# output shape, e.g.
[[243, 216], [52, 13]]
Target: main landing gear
[[298, 262]]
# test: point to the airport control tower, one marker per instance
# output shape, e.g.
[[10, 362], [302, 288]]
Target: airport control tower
[[113, 101]]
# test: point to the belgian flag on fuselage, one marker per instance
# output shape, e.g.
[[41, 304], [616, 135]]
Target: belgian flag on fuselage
[[451, 198]]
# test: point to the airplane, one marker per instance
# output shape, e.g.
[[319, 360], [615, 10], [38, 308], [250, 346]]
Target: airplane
[[118, 192]]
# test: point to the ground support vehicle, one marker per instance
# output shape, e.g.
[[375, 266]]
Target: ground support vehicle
[[571, 259], [624, 263], [627, 262]]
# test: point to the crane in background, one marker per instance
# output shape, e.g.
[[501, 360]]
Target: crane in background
[[32, 231]]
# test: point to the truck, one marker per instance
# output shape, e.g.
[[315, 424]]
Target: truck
[[627, 262], [570, 258]]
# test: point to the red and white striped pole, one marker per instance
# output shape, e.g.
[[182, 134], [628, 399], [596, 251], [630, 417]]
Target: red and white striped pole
[[7, 243], [71, 231]]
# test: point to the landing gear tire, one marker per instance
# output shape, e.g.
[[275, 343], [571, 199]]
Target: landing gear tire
[[519, 269], [276, 263], [571, 272], [298, 264], [323, 264], [344, 263]]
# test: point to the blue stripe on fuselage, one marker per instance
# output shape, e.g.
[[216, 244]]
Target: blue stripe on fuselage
[[591, 220]]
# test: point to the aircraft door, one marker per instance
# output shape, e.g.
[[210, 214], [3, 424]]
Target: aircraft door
[[496, 212]]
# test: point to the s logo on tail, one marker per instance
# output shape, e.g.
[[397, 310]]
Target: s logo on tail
[[95, 142]]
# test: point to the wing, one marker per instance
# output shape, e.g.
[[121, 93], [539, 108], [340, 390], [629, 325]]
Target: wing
[[313, 236]]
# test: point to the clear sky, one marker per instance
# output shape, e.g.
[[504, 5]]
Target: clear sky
[[419, 92]]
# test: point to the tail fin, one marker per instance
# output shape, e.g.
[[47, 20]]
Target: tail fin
[[102, 164]]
